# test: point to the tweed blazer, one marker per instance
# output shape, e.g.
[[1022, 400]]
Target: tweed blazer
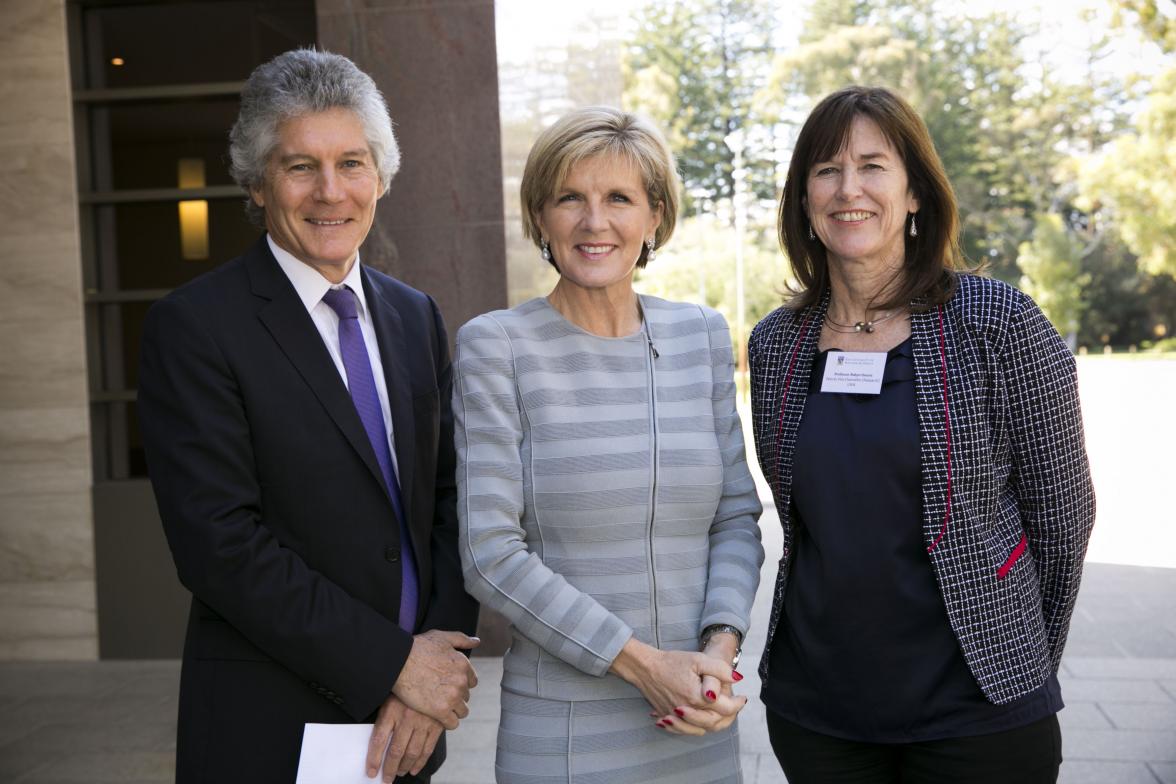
[[603, 489], [1008, 503]]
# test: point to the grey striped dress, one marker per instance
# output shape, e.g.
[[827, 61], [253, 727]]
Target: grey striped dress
[[603, 494]]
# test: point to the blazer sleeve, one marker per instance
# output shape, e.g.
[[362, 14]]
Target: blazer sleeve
[[196, 431], [736, 552], [1050, 474], [500, 569], [450, 607]]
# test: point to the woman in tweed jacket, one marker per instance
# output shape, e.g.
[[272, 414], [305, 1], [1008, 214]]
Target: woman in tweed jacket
[[935, 523], [605, 502]]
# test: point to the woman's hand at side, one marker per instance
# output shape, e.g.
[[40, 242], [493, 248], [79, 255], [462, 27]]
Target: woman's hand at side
[[670, 679]]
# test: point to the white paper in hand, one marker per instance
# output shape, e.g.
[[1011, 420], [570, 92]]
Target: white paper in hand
[[334, 754]]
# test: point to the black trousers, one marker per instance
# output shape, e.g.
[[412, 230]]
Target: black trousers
[[1026, 755]]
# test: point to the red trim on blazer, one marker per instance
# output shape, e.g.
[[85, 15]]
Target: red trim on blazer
[[1014, 556]]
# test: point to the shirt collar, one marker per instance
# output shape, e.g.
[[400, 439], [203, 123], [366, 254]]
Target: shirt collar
[[309, 282]]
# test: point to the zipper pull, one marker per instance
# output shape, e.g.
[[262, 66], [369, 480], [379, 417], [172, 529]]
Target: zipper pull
[[652, 348]]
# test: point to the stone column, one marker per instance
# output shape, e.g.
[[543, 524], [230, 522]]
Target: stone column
[[440, 228], [47, 605]]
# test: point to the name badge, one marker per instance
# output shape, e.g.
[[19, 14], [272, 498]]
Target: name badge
[[858, 372]]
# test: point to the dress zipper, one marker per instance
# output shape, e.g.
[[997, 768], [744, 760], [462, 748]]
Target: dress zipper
[[653, 483]]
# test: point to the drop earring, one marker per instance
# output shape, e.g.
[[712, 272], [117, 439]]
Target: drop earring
[[650, 253], [914, 231], [545, 250]]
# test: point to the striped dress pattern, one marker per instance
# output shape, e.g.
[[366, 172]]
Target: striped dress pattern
[[603, 494]]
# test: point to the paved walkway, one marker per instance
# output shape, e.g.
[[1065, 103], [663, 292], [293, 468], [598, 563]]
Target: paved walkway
[[115, 721]]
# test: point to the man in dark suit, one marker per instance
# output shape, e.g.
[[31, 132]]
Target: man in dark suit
[[295, 407]]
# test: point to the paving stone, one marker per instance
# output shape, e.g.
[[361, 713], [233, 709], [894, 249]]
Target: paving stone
[[13, 724], [116, 766], [59, 709], [96, 737], [1089, 772], [42, 679], [1164, 771], [1083, 716], [1119, 745], [1141, 716], [1131, 668], [17, 762], [1103, 690]]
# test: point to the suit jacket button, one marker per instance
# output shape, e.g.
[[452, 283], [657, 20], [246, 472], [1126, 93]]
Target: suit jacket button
[[338, 700], [391, 554]]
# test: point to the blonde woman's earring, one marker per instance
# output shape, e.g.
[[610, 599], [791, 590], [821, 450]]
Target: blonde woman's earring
[[650, 253], [545, 250]]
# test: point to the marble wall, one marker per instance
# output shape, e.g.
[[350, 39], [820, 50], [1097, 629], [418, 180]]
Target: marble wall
[[47, 598]]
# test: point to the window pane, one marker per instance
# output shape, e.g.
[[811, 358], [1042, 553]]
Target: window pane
[[149, 140], [147, 243], [183, 43]]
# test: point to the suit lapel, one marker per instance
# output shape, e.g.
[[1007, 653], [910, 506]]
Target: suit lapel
[[286, 319], [394, 348]]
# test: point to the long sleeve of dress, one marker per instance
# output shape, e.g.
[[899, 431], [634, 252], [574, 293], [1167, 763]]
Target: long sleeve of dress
[[500, 570], [735, 549]]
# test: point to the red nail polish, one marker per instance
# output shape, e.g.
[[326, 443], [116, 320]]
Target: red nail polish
[[669, 722], [680, 712], [661, 724], [736, 676], [710, 695]]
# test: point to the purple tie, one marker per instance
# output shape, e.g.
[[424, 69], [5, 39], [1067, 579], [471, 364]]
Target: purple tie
[[362, 386]]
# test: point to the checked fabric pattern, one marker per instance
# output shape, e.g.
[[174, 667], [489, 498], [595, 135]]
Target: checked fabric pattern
[[996, 388]]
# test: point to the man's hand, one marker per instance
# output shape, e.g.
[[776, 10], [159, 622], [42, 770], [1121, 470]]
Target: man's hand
[[436, 679], [414, 736]]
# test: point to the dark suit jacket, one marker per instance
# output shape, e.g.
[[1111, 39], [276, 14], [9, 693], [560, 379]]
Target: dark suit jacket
[[277, 516]]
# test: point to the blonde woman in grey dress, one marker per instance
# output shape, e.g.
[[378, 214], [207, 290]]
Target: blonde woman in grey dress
[[605, 503]]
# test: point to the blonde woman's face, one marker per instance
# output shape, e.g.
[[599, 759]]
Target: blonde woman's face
[[598, 221]]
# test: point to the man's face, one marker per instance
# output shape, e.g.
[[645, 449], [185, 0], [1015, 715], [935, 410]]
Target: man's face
[[320, 190]]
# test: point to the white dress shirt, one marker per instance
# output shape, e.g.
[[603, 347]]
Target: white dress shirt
[[311, 286]]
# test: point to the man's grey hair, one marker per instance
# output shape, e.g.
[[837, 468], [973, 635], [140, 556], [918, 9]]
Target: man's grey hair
[[295, 84]]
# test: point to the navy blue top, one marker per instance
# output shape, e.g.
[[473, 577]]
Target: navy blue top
[[864, 649]]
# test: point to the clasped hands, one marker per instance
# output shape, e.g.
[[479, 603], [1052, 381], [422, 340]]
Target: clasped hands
[[429, 696], [690, 693]]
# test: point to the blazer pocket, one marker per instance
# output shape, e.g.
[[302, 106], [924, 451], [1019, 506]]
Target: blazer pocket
[[1014, 556]]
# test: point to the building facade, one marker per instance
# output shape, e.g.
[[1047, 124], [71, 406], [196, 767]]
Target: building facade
[[115, 121]]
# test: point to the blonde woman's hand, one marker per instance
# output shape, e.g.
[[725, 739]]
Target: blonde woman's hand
[[670, 679]]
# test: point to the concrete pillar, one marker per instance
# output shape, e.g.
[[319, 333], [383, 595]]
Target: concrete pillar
[[440, 228], [47, 604]]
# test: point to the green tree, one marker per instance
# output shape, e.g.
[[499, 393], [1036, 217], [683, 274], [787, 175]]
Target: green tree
[[1132, 181], [1052, 264], [694, 66], [1002, 125]]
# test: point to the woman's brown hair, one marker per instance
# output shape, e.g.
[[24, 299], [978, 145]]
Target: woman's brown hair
[[932, 256]]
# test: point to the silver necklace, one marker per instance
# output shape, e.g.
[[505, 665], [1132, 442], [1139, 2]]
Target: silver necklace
[[857, 326]]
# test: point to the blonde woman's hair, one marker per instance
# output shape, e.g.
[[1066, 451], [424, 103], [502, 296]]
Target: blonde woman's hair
[[589, 132]]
